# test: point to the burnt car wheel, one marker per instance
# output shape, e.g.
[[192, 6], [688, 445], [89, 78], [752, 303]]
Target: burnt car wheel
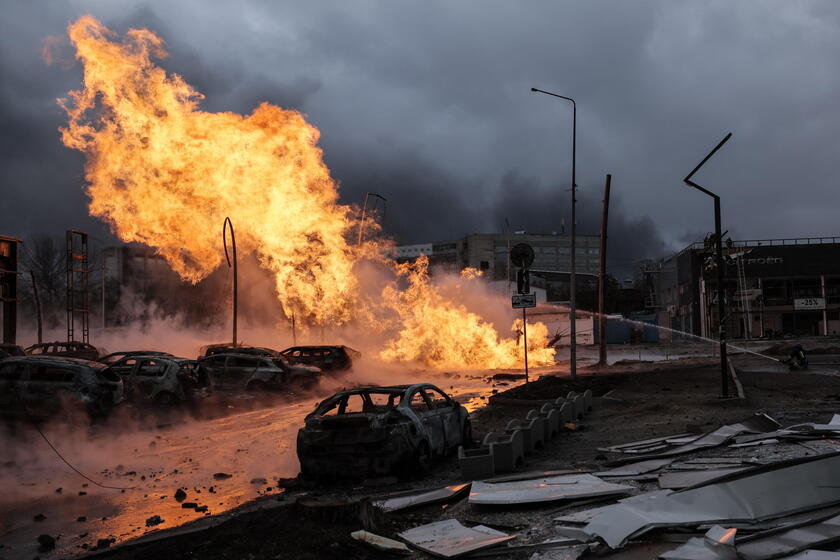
[[166, 400], [422, 459], [257, 387]]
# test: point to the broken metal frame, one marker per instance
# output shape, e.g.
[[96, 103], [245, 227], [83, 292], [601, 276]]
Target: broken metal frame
[[724, 379]]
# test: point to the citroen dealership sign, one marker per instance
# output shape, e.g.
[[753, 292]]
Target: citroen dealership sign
[[809, 304]]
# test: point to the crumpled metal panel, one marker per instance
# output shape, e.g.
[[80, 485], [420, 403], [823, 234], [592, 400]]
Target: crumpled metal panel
[[757, 423], [717, 544], [450, 539], [792, 540], [684, 479], [397, 503], [548, 489], [761, 493]]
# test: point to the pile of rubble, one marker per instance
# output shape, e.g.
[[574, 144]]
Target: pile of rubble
[[782, 501]]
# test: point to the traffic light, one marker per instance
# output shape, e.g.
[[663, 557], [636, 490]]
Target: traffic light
[[523, 283]]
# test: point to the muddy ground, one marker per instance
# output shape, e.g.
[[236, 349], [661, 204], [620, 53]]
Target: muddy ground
[[314, 520]]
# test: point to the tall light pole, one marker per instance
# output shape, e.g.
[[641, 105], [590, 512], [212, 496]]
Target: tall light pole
[[364, 210], [724, 374], [235, 271], [572, 306]]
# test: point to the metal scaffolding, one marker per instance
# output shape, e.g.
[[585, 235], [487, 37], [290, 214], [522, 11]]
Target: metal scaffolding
[[77, 285]]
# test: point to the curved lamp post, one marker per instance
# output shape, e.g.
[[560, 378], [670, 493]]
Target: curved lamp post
[[572, 306], [724, 374], [235, 271]]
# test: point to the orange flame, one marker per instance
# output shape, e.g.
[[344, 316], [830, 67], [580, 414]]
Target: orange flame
[[443, 334], [165, 173]]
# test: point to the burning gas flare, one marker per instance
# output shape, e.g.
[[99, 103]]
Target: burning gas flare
[[165, 173], [444, 334]]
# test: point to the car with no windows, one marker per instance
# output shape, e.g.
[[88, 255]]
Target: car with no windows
[[381, 430]]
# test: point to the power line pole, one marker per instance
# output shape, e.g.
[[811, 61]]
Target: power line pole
[[602, 277]]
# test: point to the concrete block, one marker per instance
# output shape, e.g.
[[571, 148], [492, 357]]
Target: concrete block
[[552, 417], [476, 463], [537, 426], [587, 399], [566, 412], [518, 425], [579, 406], [508, 449]]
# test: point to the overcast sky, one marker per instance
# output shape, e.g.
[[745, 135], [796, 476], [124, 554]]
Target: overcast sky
[[428, 103]]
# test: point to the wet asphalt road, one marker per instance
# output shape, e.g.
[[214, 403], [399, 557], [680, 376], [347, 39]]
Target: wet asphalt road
[[149, 459]]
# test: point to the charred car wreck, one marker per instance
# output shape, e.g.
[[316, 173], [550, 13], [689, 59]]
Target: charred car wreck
[[163, 380], [380, 430], [237, 372], [45, 385]]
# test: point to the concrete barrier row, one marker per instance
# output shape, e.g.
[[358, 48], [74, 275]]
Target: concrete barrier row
[[503, 452]]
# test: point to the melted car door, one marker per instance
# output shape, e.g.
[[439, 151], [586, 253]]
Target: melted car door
[[431, 420]]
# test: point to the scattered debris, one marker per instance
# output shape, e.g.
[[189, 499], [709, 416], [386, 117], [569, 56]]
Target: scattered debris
[[450, 539], [154, 520], [750, 495], [382, 544], [565, 487], [39, 517], [189, 505], [180, 495], [45, 543], [403, 501], [221, 476]]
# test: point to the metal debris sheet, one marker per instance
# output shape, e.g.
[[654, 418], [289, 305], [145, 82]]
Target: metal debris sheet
[[759, 493], [565, 487], [401, 502], [684, 479], [757, 423], [717, 544], [450, 539], [634, 469], [790, 541]]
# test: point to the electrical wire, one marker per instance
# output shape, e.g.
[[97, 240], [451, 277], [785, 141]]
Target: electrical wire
[[58, 453]]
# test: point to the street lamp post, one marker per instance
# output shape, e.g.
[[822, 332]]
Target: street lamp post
[[724, 374], [572, 306], [364, 211], [235, 271]]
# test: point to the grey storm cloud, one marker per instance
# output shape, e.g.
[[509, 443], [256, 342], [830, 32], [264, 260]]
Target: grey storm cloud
[[429, 104]]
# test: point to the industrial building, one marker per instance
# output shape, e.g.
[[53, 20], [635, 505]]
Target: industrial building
[[489, 253], [773, 287]]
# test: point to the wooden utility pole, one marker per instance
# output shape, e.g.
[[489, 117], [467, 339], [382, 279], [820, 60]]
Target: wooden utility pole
[[602, 278]]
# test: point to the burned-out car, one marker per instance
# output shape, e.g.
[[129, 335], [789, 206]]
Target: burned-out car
[[228, 348], [10, 351], [328, 358], [72, 349], [236, 372], [380, 430], [115, 358], [43, 385], [163, 380]]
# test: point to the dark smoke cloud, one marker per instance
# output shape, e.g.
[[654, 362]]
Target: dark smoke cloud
[[429, 104]]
